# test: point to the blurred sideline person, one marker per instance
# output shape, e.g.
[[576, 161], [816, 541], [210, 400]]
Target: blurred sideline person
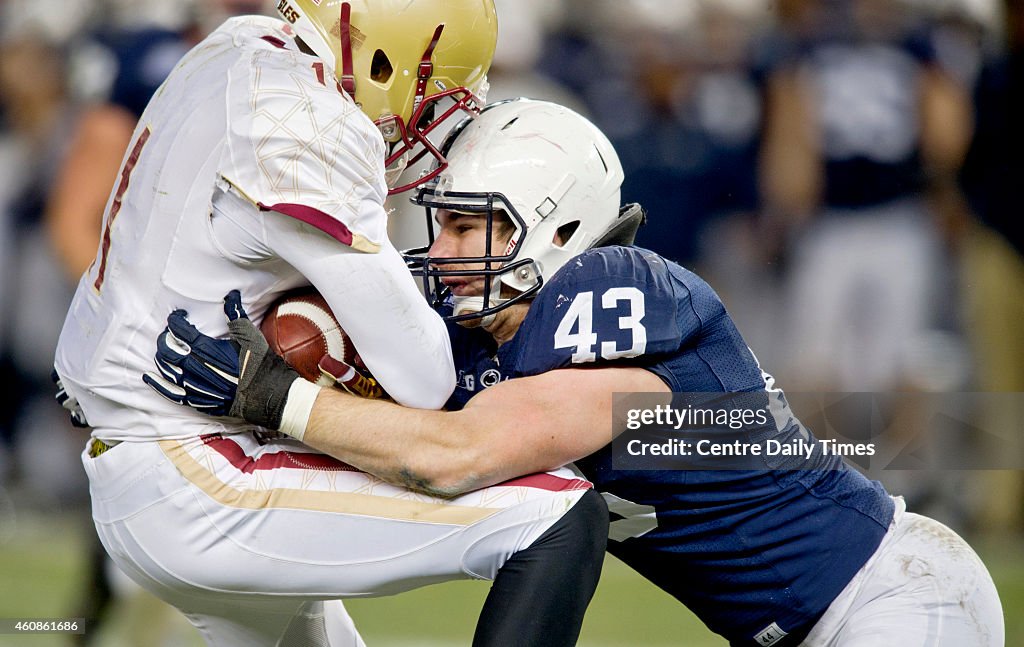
[[864, 133], [34, 115], [992, 261], [557, 320], [264, 160], [138, 60]]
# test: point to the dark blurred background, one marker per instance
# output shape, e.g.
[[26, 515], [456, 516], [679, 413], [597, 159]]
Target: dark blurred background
[[843, 172]]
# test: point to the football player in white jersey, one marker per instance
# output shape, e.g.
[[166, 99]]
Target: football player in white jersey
[[263, 162]]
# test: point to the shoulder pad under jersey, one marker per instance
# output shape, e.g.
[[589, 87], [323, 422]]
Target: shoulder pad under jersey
[[607, 304], [299, 146]]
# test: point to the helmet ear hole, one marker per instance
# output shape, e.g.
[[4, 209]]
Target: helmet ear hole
[[381, 69], [565, 233]]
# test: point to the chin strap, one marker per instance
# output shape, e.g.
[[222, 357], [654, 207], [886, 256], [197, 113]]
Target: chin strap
[[393, 171], [348, 79], [424, 72]]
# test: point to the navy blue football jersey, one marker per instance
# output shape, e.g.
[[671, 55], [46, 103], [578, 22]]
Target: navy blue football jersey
[[867, 96], [757, 554], [129, 65]]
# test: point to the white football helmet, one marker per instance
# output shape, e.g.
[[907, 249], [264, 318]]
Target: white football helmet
[[398, 58], [551, 172]]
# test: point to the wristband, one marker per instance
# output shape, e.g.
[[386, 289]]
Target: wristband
[[298, 407]]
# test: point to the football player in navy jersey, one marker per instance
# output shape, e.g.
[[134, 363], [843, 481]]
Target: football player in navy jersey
[[555, 317]]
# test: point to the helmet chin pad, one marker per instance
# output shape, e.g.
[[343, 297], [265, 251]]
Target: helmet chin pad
[[469, 306], [393, 172]]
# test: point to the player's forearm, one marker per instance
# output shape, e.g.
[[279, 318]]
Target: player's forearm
[[429, 451], [517, 427]]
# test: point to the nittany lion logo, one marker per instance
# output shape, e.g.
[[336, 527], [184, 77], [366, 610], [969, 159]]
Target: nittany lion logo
[[468, 381], [490, 377]]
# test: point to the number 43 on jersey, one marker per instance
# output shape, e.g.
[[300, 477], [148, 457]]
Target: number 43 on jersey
[[576, 329]]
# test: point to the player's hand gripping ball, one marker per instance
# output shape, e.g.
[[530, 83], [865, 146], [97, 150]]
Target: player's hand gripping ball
[[301, 328]]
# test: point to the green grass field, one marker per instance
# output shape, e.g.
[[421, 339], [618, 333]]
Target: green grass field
[[42, 565]]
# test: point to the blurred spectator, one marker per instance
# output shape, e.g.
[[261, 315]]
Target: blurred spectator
[[671, 84], [862, 126], [37, 117], [32, 127], [865, 132], [991, 253]]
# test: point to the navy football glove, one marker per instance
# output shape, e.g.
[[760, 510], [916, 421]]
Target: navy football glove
[[240, 377], [195, 370], [265, 378]]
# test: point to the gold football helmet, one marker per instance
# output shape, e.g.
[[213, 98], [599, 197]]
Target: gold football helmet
[[397, 59]]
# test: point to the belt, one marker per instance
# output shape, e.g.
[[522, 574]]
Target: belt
[[97, 446]]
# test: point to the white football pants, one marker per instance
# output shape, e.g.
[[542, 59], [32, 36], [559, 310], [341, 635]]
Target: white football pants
[[923, 587], [249, 537]]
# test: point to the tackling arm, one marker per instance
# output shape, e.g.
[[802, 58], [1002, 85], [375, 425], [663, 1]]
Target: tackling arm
[[516, 427]]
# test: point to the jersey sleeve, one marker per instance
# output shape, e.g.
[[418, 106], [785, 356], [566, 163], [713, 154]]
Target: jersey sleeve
[[614, 304], [400, 338], [298, 146]]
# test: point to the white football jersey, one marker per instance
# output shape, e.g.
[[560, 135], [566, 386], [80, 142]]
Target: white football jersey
[[245, 129]]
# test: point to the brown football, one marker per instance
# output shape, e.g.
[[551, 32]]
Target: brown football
[[301, 328]]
